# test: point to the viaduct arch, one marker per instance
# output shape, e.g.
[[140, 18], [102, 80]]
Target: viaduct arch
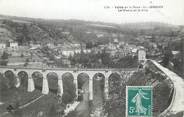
[[59, 72]]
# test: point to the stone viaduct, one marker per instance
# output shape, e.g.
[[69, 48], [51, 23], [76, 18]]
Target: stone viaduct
[[60, 71]]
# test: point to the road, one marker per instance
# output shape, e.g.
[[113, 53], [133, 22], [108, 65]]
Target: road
[[177, 105]]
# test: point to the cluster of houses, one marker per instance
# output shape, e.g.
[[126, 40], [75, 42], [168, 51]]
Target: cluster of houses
[[9, 45], [20, 55], [71, 49], [117, 49]]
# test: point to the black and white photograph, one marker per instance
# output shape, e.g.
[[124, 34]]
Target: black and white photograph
[[91, 58]]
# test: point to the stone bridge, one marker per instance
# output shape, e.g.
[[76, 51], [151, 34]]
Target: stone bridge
[[60, 71]]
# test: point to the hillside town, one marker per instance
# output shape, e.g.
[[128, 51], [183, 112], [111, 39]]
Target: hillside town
[[53, 44], [39, 55], [71, 68]]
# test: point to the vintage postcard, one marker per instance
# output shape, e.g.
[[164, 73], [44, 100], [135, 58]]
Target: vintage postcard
[[91, 58]]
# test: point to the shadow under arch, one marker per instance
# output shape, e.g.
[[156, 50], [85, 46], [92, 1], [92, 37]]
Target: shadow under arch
[[98, 88], [38, 80], [23, 76], [100, 78], [52, 78], [83, 86], [67, 76], [10, 78], [114, 81], [69, 91]]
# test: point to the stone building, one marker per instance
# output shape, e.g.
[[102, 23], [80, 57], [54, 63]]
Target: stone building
[[141, 55]]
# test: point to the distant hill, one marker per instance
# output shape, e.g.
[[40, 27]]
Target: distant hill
[[146, 25], [152, 28], [24, 30]]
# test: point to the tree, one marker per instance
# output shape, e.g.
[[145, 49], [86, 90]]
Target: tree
[[105, 57], [89, 45], [127, 62], [22, 55], [4, 56], [3, 62], [84, 59], [167, 57], [26, 63], [116, 101], [25, 32]]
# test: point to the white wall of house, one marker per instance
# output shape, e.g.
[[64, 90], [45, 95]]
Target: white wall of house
[[141, 55], [73, 51], [14, 45], [70, 52], [2, 45], [87, 50]]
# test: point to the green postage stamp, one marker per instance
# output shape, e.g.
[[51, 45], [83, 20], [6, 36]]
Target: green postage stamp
[[139, 101]]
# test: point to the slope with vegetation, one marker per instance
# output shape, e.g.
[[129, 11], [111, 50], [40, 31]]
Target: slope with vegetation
[[162, 91]]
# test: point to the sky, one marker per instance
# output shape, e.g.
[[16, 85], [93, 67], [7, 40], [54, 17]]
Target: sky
[[93, 10]]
